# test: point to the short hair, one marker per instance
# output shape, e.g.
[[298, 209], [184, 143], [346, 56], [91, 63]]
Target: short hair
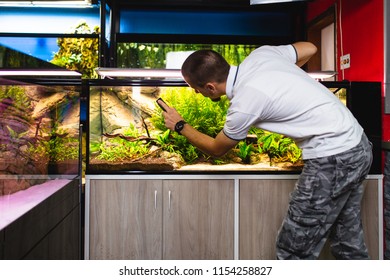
[[205, 66]]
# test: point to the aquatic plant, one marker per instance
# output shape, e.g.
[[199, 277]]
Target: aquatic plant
[[57, 146], [79, 54], [201, 113], [163, 139], [278, 147], [17, 95], [153, 55], [121, 149], [244, 151], [127, 146]]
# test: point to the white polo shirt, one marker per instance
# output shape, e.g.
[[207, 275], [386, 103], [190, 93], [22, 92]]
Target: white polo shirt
[[271, 92]]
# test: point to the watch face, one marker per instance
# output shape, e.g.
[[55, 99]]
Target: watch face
[[179, 126]]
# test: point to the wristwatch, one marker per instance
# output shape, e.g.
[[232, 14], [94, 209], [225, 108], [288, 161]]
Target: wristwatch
[[179, 126]]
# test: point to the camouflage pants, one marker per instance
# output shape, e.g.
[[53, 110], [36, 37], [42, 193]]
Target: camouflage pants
[[326, 205]]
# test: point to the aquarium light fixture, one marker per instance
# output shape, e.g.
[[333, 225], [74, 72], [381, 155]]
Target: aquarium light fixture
[[139, 73], [174, 73], [47, 3], [322, 75], [257, 2], [39, 73]]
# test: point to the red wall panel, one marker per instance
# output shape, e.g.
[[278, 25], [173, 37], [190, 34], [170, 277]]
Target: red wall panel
[[360, 33]]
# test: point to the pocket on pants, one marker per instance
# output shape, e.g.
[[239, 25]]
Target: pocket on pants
[[301, 234]]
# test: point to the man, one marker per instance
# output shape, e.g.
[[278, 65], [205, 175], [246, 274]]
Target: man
[[269, 90]]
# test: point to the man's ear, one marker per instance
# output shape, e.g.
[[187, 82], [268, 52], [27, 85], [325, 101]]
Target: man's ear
[[210, 86]]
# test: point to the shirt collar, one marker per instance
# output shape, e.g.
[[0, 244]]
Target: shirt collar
[[230, 81]]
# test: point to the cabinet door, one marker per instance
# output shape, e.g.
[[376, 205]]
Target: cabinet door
[[263, 205], [125, 219], [370, 217], [370, 220], [198, 219]]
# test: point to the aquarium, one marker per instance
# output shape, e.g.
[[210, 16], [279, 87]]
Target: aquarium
[[126, 131], [39, 131], [157, 55], [364, 100]]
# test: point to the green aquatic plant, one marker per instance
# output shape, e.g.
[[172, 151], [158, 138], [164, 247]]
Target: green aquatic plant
[[79, 54], [201, 113], [127, 146], [244, 151], [121, 149], [17, 95], [163, 140], [153, 55], [57, 146], [278, 147]]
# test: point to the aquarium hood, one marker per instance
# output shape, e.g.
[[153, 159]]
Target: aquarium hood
[[139, 73], [174, 73]]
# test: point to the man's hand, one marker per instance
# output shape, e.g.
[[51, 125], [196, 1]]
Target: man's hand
[[171, 116]]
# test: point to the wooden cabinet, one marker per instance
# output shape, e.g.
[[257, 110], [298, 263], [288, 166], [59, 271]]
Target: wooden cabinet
[[263, 205], [209, 217], [161, 219], [51, 230], [125, 219]]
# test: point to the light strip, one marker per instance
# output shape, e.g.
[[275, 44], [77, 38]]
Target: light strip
[[139, 73], [53, 4], [257, 2], [32, 73], [174, 73], [321, 75]]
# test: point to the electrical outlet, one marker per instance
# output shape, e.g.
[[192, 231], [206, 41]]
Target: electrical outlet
[[345, 61]]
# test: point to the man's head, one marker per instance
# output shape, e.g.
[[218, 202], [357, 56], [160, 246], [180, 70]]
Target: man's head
[[206, 72]]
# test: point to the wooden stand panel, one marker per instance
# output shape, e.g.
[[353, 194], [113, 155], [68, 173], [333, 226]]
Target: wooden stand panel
[[198, 219], [126, 219], [263, 205]]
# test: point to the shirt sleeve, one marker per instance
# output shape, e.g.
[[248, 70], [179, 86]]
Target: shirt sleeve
[[237, 125]]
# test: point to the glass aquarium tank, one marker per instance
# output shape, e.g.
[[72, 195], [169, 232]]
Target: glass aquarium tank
[[364, 100], [39, 131], [170, 55], [126, 132]]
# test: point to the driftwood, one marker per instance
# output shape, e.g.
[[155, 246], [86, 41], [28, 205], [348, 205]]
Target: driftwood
[[128, 138]]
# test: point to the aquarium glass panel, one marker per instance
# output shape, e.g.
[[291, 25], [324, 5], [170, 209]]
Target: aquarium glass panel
[[172, 55], [127, 133], [341, 94], [73, 52], [39, 133]]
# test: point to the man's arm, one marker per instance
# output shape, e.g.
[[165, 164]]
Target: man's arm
[[215, 147], [305, 50]]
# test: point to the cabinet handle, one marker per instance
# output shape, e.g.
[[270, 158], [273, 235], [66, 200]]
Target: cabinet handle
[[155, 200], [169, 199]]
